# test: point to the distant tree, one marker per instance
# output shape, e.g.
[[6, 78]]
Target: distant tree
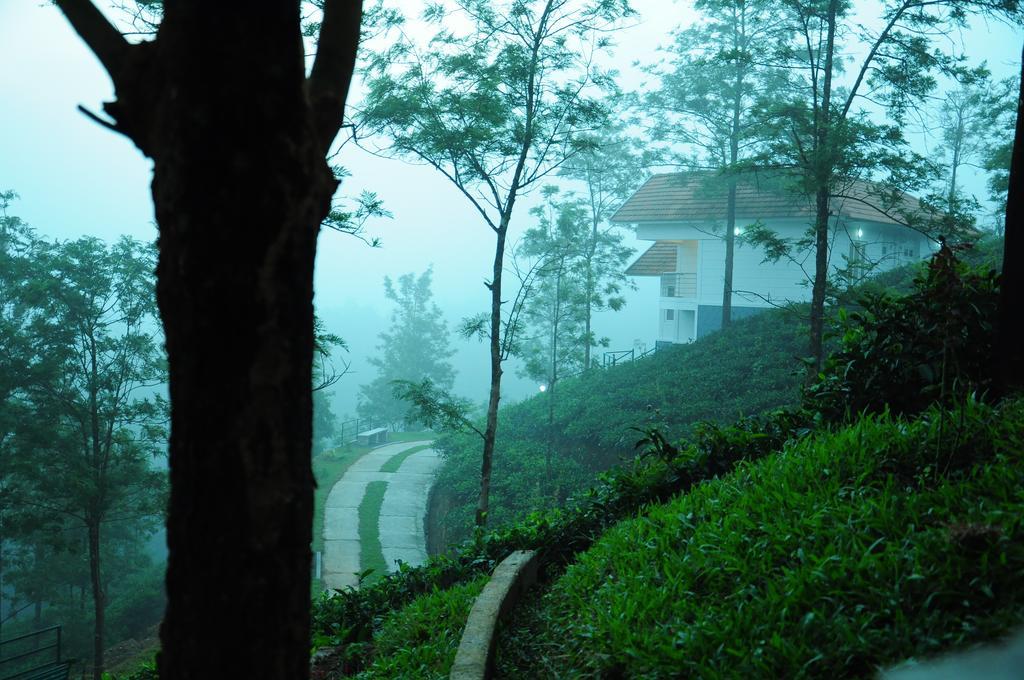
[[610, 166], [416, 347], [554, 339], [712, 94], [222, 103], [996, 158], [94, 463], [963, 127], [18, 363], [496, 101]]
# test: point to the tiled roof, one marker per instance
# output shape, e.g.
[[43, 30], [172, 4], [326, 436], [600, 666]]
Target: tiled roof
[[698, 196], [656, 260]]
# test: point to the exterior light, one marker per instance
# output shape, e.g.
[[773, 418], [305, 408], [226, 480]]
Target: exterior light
[[860, 233], [543, 388], [737, 231]]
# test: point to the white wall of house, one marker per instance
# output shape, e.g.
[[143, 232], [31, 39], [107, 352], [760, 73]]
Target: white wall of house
[[701, 250], [760, 284]]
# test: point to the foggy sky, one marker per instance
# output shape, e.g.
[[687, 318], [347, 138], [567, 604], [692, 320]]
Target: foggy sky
[[76, 178]]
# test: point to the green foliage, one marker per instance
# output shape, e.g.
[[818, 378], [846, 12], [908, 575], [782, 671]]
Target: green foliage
[[903, 353], [350, 617], [579, 270], [720, 77], [435, 407], [749, 368], [420, 640], [839, 554], [371, 556], [81, 420], [416, 348], [1002, 112]]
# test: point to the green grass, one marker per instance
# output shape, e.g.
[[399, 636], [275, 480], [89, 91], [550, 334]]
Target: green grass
[[843, 553], [371, 556], [395, 462], [419, 641], [748, 369]]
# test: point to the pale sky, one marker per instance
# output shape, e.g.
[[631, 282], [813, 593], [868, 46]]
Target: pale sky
[[76, 178]]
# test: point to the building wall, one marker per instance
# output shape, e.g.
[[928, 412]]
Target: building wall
[[760, 285]]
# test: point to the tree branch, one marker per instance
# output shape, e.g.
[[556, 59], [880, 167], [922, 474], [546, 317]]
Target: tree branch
[[332, 70], [105, 41]]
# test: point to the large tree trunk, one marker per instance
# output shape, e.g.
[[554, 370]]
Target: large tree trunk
[[221, 103], [240, 187], [1009, 354], [99, 599]]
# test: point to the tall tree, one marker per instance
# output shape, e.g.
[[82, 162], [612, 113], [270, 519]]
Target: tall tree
[[98, 332], [416, 348], [712, 94], [220, 100], [555, 339], [963, 126], [497, 102], [829, 136]]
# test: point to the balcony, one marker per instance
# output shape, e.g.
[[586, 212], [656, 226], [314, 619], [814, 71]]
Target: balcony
[[679, 285]]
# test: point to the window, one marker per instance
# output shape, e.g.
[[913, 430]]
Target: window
[[670, 315]]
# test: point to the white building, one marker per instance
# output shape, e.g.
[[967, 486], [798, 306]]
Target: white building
[[684, 214]]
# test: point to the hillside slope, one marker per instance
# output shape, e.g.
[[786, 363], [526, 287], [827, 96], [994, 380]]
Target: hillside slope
[[749, 368], [842, 553]]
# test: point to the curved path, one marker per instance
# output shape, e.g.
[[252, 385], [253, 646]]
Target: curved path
[[401, 526]]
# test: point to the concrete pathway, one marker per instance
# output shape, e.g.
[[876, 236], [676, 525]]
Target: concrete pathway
[[402, 514]]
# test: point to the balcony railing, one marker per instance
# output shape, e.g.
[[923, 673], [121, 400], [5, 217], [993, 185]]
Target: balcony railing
[[679, 285]]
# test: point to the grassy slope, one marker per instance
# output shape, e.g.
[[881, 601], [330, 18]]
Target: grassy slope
[[420, 640], [747, 369], [842, 553]]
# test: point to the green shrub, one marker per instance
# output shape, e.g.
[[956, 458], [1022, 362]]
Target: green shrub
[[904, 353]]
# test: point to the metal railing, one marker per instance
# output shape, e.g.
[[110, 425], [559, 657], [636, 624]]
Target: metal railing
[[33, 655], [679, 285], [351, 428]]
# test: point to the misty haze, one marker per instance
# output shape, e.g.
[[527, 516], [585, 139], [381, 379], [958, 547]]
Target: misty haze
[[511, 339]]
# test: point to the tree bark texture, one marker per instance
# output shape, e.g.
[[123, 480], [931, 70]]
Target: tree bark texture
[[238, 135], [1009, 355], [491, 428]]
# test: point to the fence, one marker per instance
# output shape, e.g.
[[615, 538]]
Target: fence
[[33, 655], [350, 428]]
